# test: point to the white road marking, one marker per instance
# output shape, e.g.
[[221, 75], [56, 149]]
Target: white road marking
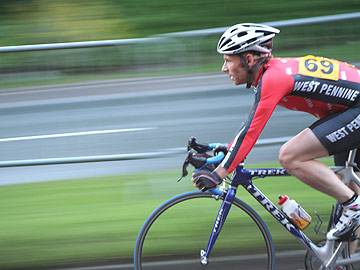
[[72, 134]]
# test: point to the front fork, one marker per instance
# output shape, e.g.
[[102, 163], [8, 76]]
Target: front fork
[[219, 222]]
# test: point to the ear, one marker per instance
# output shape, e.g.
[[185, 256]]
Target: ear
[[250, 59]]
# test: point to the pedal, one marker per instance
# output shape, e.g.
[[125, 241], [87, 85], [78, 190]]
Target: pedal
[[353, 237]]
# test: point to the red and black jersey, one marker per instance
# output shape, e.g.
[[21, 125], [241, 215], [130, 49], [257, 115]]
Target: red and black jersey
[[316, 85]]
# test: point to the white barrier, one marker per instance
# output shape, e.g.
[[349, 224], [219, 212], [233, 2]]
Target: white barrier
[[202, 32]]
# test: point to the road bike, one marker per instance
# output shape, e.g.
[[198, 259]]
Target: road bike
[[182, 232]]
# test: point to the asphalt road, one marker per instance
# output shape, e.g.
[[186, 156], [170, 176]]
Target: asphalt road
[[126, 116], [285, 260]]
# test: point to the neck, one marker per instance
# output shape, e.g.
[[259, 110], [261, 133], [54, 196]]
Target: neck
[[255, 71]]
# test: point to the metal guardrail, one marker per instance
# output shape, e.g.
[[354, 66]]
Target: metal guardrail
[[120, 42], [77, 45], [292, 22], [202, 32], [119, 157]]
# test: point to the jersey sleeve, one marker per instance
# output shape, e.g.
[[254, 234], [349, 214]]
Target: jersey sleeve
[[271, 89]]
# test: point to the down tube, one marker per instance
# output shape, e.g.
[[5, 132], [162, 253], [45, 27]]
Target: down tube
[[280, 217]]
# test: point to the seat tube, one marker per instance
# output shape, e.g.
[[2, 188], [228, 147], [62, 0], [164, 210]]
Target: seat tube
[[219, 222]]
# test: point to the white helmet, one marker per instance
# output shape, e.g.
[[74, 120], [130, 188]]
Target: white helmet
[[247, 37]]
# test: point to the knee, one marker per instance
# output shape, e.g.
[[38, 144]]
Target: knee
[[287, 158]]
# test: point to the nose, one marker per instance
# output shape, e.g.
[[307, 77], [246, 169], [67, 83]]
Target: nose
[[224, 68]]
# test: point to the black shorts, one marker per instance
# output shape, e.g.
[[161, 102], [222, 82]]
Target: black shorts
[[339, 132]]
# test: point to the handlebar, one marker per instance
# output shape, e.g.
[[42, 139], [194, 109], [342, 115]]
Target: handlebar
[[201, 157]]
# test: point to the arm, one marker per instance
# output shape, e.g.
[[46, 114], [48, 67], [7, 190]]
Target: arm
[[270, 92]]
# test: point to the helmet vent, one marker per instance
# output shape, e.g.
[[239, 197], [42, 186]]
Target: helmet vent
[[233, 48], [241, 34], [266, 33], [251, 40], [226, 42]]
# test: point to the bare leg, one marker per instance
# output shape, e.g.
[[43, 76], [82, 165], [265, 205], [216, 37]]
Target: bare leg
[[298, 157]]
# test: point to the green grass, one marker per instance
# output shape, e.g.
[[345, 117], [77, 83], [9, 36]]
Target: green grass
[[28, 22], [97, 220]]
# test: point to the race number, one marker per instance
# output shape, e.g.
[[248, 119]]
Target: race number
[[319, 67]]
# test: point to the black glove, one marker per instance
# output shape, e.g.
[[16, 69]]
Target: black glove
[[204, 179]]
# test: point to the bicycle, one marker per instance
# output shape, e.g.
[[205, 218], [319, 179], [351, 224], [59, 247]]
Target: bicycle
[[252, 229]]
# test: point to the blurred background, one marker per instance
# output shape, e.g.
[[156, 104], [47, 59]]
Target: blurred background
[[144, 96], [38, 22]]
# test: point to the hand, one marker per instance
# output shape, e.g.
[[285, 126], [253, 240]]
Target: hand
[[205, 179]]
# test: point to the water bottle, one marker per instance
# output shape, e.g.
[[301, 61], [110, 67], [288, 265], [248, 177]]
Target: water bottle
[[299, 217]]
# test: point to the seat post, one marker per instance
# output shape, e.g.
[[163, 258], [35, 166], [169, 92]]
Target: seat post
[[351, 158]]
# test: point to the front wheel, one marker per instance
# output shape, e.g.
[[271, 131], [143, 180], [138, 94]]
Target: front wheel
[[174, 234]]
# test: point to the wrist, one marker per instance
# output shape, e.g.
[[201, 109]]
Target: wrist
[[221, 172]]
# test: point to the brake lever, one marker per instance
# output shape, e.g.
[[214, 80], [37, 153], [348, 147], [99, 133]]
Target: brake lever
[[196, 160], [184, 169], [198, 147]]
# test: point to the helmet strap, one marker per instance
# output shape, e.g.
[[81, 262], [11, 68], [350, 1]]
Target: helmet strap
[[245, 65], [254, 70]]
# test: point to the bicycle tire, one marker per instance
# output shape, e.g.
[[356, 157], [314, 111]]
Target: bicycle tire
[[268, 252]]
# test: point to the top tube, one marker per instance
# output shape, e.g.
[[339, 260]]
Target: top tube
[[243, 176]]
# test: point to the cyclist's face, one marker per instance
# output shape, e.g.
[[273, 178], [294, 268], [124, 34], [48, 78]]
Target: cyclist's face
[[233, 67]]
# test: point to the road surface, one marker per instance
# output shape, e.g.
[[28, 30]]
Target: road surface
[[126, 116]]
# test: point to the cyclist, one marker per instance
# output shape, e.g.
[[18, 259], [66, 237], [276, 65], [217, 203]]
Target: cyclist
[[326, 88]]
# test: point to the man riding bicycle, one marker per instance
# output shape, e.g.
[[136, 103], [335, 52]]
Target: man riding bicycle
[[326, 88]]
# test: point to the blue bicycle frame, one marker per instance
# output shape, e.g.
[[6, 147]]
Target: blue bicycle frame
[[244, 177]]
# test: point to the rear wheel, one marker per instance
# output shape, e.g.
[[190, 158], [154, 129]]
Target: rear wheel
[[174, 234], [350, 257], [351, 250], [313, 263]]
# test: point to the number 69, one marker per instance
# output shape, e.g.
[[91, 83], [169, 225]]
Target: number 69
[[312, 65]]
